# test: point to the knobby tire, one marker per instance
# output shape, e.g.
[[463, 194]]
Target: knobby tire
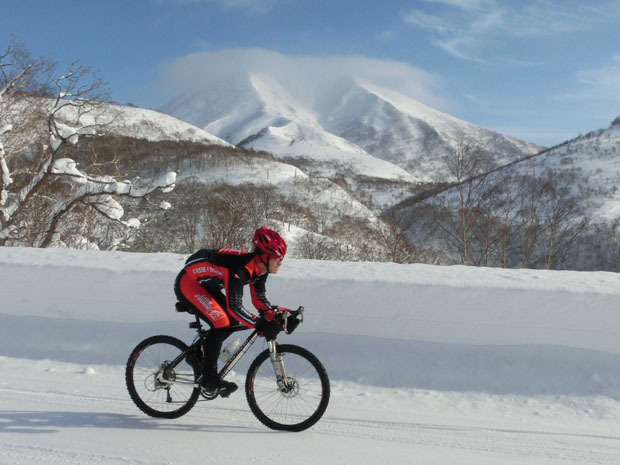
[[155, 399], [302, 407]]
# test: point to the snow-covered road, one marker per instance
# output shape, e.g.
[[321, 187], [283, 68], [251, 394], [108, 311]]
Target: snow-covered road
[[429, 365], [65, 414]]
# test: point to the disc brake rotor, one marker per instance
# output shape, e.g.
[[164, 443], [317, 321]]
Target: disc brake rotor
[[292, 390]]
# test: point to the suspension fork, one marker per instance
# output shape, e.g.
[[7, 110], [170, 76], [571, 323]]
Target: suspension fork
[[278, 366]]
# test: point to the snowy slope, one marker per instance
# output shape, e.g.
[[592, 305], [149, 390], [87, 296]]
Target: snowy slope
[[597, 157], [236, 168], [138, 123], [290, 182], [428, 364], [255, 111], [348, 122], [154, 126], [412, 135]]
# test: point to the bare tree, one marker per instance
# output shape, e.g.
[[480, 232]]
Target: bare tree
[[529, 189], [190, 212], [37, 176], [396, 247], [316, 247], [469, 168], [508, 226], [562, 218]]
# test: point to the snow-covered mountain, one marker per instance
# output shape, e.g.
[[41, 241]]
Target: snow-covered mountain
[[412, 135], [254, 111], [140, 123], [335, 182], [596, 156], [153, 126], [559, 208], [351, 127], [151, 143]]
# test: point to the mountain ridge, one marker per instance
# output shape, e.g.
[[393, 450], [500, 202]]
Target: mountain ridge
[[353, 116]]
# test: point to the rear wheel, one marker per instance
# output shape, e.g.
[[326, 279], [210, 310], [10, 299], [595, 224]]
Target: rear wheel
[[301, 403], [156, 387]]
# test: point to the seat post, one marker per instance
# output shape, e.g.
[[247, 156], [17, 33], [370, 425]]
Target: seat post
[[196, 324]]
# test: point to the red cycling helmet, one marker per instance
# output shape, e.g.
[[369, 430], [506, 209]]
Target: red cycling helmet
[[269, 242]]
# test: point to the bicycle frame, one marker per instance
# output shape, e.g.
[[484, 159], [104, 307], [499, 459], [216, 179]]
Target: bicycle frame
[[276, 359], [227, 368], [241, 350]]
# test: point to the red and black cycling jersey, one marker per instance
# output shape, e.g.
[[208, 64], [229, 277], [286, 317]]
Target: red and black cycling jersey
[[229, 270]]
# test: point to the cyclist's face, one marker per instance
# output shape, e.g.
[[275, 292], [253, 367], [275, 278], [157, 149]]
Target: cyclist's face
[[274, 265]]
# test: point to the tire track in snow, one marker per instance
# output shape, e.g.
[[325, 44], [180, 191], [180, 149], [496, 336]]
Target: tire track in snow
[[564, 446], [571, 447]]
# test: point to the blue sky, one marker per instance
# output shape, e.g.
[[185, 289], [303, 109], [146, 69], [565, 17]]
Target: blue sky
[[541, 70]]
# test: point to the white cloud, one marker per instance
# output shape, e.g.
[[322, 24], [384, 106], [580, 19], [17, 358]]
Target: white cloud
[[305, 76], [387, 36], [605, 79], [460, 47], [427, 21], [597, 86], [464, 4], [259, 6], [467, 29], [595, 92], [247, 6]]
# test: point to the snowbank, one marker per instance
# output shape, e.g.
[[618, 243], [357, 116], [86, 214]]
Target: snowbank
[[420, 326]]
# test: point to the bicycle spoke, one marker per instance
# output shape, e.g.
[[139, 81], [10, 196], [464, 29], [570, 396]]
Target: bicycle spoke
[[155, 387], [301, 403]]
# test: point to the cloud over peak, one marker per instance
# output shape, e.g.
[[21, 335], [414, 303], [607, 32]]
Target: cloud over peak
[[306, 76]]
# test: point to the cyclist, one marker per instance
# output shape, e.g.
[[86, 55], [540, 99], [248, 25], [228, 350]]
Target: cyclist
[[201, 281]]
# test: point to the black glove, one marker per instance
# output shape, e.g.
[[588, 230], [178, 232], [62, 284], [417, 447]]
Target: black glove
[[268, 327], [291, 324]]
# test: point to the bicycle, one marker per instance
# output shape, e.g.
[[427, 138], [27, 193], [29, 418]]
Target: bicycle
[[163, 376]]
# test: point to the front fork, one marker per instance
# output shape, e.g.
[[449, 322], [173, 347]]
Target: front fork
[[278, 366]]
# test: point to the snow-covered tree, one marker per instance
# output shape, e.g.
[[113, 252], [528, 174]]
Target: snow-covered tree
[[39, 118]]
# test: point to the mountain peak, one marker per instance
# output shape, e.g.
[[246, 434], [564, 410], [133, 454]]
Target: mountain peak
[[346, 119], [410, 134]]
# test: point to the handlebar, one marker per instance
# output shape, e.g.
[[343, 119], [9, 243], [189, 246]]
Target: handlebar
[[285, 313]]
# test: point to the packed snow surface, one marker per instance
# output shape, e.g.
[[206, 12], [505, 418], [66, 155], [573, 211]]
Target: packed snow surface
[[429, 365]]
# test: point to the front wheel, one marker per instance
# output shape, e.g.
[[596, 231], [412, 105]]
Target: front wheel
[[296, 406], [159, 382]]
